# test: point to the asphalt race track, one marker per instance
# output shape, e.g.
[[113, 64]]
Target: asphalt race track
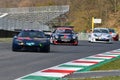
[[16, 64]]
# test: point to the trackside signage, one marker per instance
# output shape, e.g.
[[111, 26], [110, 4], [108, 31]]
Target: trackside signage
[[97, 20]]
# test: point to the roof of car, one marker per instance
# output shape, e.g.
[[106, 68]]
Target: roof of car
[[30, 30], [100, 28], [65, 28]]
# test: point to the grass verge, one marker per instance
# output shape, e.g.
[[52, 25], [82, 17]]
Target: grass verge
[[5, 39], [114, 65], [102, 78]]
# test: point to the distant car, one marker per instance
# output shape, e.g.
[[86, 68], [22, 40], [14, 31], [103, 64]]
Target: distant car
[[114, 35], [100, 35], [48, 34], [31, 40], [64, 35]]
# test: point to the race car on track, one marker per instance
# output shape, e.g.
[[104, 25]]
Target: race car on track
[[48, 33], [114, 35], [64, 35], [100, 35], [34, 40]]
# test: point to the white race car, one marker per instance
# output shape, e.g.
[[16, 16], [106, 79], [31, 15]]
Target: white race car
[[100, 35]]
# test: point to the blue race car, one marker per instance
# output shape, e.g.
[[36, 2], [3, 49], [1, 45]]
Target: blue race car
[[64, 35], [31, 40]]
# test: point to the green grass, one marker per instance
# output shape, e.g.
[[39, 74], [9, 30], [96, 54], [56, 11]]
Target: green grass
[[102, 78], [114, 65], [5, 39]]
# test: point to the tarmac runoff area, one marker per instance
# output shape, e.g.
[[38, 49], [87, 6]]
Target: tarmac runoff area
[[71, 69]]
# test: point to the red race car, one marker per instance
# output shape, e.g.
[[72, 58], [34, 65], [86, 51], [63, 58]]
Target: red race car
[[64, 35], [114, 35]]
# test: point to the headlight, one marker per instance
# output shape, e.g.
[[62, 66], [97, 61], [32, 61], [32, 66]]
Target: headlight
[[56, 36], [74, 36], [20, 42]]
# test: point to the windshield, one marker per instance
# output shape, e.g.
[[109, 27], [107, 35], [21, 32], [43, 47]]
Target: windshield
[[100, 31], [96, 31], [111, 30], [31, 34], [104, 31], [64, 31]]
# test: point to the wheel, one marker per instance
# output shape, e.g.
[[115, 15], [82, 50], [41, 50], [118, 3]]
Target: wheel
[[14, 49], [75, 43], [89, 41]]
